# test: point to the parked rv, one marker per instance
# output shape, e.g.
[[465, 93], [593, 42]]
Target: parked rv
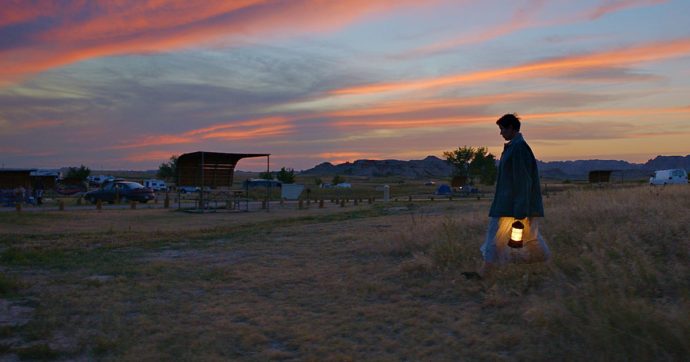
[[156, 185], [667, 177], [97, 180]]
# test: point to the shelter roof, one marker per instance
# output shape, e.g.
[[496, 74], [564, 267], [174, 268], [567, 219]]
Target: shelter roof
[[17, 170], [218, 157]]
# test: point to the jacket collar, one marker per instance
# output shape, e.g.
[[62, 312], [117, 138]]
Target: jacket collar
[[517, 139]]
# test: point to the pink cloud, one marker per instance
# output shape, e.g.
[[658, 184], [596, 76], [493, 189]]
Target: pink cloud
[[93, 29]]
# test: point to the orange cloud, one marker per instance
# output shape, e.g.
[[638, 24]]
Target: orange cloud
[[413, 123], [29, 125], [156, 140], [148, 156], [263, 127], [93, 29], [629, 112], [409, 106], [547, 68], [431, 121], [349, 155]]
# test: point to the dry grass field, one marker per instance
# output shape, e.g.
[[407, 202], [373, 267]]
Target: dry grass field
[[365, 282]]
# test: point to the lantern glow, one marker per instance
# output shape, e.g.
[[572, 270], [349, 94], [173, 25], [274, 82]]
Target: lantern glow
[[516, 235]]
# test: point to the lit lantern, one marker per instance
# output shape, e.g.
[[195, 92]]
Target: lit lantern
[[515, 241]]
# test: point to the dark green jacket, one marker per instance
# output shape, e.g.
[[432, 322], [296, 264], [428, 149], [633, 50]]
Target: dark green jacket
[[518, 193]]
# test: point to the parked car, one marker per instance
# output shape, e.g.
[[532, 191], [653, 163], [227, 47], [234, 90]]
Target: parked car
[[127, 190], [673, 176]]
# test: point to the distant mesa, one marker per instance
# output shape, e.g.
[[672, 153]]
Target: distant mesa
[[434, 167]]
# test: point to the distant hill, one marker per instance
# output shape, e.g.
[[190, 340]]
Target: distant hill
[[434, 167], [431, 166]]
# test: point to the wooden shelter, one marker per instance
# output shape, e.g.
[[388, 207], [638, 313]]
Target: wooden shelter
[[602, 176], [211, 171], [11, 178], [45, 180]]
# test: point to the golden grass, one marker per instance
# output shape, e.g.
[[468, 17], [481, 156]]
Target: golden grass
[[379, 283]]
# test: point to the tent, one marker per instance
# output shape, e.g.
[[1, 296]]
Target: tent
[[444, 190]]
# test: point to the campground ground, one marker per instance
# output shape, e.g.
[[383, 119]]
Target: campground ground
[[379, 282]]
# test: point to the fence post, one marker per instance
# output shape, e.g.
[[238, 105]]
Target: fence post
[[18, 206], [99, 204], [133, 205], [300, 204], [61, 205], [342, 203], [321, 204], [166, 202]]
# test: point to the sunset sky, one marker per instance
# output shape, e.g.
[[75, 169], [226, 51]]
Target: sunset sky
[[125, 84]]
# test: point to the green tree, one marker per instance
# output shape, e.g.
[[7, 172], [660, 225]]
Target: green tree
[[483, 165], [286, 176], [78, 173], [472, 163], [168, 170], [266, 175], [318, 181], [337, 180]]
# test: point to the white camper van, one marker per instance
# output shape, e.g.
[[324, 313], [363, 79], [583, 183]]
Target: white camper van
[[673, 176], [157, 185]]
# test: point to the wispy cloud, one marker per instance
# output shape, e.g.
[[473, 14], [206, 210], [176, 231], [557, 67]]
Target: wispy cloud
[[554, 67], [47, 34], [526, 17]]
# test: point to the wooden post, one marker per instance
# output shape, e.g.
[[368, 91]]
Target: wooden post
[[263, 204], [61, 205], [321, 204], [431, 198], [355, 202], [369, 201], [18, 206], [300, 204], [99, 204], [166, 202], [409, 199], [342, 203], [132, 205]]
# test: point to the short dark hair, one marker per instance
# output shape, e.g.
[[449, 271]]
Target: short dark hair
[[509, 120]]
